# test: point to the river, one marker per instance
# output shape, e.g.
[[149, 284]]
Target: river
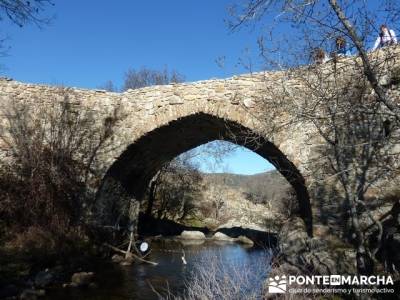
[[240, 269]]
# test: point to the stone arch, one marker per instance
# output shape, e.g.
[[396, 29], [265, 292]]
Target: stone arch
[[128, 177]]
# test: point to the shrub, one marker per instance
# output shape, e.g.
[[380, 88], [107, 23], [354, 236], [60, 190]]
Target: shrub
[[48, 176], [214, 278]]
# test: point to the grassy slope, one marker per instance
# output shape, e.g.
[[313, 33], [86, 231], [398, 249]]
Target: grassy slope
[[267, 185]]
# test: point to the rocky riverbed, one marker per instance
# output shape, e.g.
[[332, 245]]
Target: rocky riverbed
[[107, 280]]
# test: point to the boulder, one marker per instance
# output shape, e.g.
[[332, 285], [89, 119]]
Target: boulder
[[319, 262], [319, 255], [31, 294], [293, 237], [191, 242], [219, 236], [127, 261], [243, 225], [192, 235], [245, 240], [44, 278], [116, 258], [321, 230], [81, 279]]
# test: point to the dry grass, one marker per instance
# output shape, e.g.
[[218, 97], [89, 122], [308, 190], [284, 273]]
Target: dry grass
[[214, 277], [48, 178]]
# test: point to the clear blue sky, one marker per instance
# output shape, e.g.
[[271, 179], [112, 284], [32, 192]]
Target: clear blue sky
[[90, 42], [238, 160]]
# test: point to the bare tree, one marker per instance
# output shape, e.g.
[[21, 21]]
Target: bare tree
[[22, 12], [177, 185], [214, 279], [347, 101], [315, 23], [108, 86], [174, 190], [135, 79], [50, 173], [218, 198], [357, 150]]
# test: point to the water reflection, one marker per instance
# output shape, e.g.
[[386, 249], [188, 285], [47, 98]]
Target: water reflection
[[225, 260]]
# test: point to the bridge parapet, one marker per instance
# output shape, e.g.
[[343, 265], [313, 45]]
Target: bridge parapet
[[189, 114]]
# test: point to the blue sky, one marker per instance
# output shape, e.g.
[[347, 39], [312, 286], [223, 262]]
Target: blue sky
[[236, 159], [240, 161], [90, 42]]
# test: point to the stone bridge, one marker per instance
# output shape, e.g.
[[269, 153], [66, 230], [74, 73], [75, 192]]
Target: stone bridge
[[161, 122]]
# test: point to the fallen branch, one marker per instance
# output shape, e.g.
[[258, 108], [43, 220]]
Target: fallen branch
[[126, 253]]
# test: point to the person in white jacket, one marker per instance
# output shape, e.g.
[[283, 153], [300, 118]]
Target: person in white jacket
[[386, 37], [319, 56]]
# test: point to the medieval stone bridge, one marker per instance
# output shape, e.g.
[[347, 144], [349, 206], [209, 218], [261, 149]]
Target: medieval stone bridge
[[161, 122]]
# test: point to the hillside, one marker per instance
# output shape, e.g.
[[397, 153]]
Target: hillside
[[259, 188], [259, 201], [251, 201]]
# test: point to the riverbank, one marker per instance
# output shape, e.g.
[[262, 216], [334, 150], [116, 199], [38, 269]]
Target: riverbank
[[37, 262], [48, 277], [33, 260], [151, 227], [171, 276]]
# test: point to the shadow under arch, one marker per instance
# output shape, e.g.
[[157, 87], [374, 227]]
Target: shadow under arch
[[129, 176]]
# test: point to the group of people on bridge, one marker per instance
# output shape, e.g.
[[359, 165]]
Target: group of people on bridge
[[387, 37]]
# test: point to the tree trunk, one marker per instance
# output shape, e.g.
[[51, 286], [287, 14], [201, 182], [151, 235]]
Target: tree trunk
[[365, 264], [152, 196], [368, 69]]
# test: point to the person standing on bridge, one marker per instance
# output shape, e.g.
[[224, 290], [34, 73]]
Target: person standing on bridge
[[341, 48], [387, 37], [320, 56]]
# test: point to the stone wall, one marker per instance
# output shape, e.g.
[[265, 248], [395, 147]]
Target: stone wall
[[160, 122], [235, 99]]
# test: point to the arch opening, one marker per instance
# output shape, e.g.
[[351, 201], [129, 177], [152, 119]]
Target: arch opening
[[129, 176]]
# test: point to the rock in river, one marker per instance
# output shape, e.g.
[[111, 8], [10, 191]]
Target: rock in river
[[81, 279], [219, 236], [192, 235]]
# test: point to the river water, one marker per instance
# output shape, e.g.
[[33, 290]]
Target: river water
[[237, 267]]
